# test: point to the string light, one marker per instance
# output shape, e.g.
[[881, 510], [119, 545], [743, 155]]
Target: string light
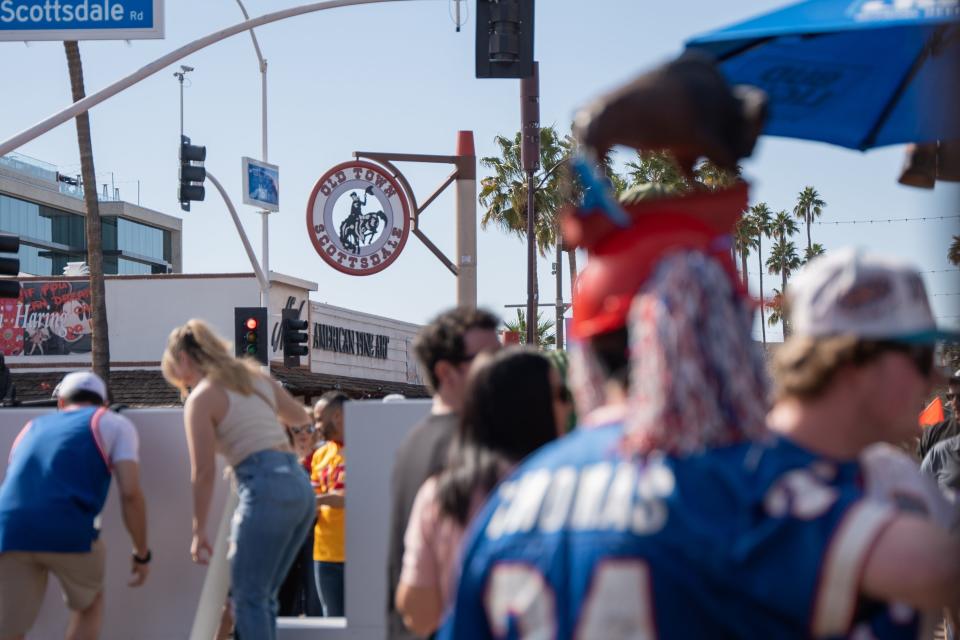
[[923, 219]]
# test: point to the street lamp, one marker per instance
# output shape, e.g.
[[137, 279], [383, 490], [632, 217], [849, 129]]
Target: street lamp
[[265, 251]]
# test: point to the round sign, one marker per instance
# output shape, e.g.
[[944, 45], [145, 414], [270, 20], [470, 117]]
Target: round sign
[[358, 218]]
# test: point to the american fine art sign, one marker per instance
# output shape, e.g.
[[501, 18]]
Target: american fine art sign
[[358, 218], [350, 341]]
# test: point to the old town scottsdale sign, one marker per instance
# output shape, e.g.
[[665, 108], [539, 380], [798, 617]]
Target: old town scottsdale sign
[[358, 218]]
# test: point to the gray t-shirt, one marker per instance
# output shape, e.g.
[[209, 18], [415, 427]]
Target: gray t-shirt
[[943, 463]]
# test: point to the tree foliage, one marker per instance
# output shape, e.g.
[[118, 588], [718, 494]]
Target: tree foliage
[[544, 326]]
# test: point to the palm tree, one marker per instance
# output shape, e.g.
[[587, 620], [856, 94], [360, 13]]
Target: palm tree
[[953, 253], [760, 222], [744, 239], [504, 193], [543, 327], [783, 257], [812, 252], [101, 340], [657, 167], [809, 207], [776, 309], [713, 177]]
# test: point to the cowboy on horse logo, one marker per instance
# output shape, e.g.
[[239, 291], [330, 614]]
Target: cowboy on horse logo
[[358, 217], [359, 228]]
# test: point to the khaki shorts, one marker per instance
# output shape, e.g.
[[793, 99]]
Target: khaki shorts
[[23, 582]]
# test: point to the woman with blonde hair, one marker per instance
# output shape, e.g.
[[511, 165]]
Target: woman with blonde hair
[[232, 408]]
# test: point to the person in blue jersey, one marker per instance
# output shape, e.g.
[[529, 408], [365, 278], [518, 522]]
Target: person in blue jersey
[[682, 516], [674, 512], [56, 484]]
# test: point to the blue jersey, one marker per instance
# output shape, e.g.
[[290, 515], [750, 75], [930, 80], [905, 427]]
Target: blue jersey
[[745, 541], [56, 484]]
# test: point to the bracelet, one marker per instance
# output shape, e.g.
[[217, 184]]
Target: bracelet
[[143, 559]]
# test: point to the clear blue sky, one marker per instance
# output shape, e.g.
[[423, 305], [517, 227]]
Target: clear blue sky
[[397, 77]]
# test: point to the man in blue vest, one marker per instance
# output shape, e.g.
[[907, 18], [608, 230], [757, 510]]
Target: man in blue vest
[[56, 484]]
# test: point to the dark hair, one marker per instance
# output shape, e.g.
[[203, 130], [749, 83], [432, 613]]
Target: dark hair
[[82, 396], [334, 400], [507, 414], [442, 339], [612, 351]]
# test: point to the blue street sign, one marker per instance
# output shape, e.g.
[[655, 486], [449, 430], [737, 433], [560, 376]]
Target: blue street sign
[[24, 20]]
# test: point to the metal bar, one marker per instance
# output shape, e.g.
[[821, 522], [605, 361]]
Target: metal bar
[[566, 305], [436, 251], [406, 157], [396, 174], [162, 62], [264, 284], [438, 191]]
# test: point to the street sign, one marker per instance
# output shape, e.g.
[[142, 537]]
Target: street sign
[[27, 20], [261, 184]]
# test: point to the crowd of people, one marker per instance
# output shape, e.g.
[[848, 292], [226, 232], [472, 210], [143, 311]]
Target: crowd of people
[[704, 492]]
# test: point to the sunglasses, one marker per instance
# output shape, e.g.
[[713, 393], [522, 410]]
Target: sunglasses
[[921, 355], [304, 429]]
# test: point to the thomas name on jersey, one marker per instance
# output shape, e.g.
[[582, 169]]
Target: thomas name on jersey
[[580, 500]]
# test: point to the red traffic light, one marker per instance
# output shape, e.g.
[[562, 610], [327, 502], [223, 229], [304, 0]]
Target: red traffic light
[[252, 323]]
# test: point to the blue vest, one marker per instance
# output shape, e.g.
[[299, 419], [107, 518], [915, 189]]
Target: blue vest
[[581, 542], [55, 486]]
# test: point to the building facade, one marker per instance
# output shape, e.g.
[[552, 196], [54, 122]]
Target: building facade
[[46, 210], [47, 332]]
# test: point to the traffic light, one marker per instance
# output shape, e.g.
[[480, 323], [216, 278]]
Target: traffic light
[[294, 337], [192, 173], [9, 266], [504, 39], [250, 333]]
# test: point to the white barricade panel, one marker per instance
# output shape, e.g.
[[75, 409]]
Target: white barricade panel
[[373, 432], [165, 607]]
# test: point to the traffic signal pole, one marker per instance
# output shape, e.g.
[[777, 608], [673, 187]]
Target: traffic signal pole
[[261, 278], [265, 220]]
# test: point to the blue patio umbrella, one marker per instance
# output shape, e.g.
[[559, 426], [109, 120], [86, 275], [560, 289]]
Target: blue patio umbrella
[[855, 73]]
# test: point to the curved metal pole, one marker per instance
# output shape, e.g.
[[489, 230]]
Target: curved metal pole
[[261, 279], [160, 63]]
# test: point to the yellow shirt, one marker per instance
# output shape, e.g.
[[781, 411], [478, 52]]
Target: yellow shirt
[[328, 474]]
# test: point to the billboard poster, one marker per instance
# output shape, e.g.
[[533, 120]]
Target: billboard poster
[[261, 184], [48, 319]]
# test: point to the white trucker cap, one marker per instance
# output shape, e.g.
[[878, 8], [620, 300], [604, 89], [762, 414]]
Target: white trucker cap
[[847, 292], [81, 381]]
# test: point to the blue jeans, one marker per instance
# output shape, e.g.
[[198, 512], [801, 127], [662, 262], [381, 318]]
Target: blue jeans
[[329, 577], [275, 512]]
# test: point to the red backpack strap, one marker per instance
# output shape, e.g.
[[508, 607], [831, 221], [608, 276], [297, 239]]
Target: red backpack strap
[[98, 437]]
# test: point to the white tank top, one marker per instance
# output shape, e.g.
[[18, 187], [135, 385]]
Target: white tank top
[[250, 424]]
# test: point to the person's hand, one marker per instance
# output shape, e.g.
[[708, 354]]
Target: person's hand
[[200, 549], [685, 107], [138, 573]]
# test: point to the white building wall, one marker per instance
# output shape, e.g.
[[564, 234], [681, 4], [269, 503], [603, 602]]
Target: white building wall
[[399, 365], [142, 310]]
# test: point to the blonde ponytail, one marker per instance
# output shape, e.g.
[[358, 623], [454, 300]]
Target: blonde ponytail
[[211, 354]]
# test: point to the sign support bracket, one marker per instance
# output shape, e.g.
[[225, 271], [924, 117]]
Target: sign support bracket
[[464, 175]]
